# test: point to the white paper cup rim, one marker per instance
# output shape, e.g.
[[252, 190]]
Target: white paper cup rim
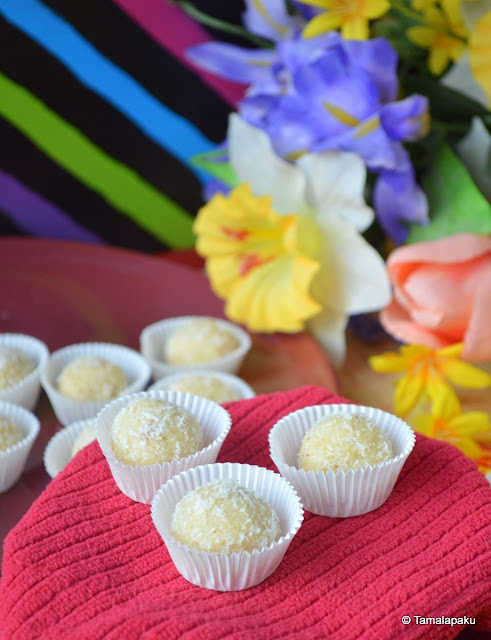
[[63, 356], [55, 454], [341, 493], [69, 410], [238, 570], [242, 387], [160, 395], [287, 537], [26, 420], [141, 483], [347, 409], [166, 326], [19, 341]]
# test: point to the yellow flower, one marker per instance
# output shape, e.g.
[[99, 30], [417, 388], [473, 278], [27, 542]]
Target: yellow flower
[[427, 373], [444, 34], [448, 423], [261, 262], [351, 16], [480, 53]]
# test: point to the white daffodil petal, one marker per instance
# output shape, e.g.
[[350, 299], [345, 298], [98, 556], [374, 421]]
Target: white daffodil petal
[[255, 162], [335, 185], [353, 276], [329, 329]]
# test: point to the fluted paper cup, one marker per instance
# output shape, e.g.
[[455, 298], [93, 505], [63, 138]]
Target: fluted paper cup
[[141, 483], [58, 452], [13, 459], [25, 392], [154, 337], [240, 388], [237, 571], [67, 410], [341, 494]]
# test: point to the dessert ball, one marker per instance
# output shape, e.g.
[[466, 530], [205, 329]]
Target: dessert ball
[[10, 433], [198, 341], [149, 431], [91, 378], [84, 438], [343, 441], [224, 517], [206, 387], [14, 366]]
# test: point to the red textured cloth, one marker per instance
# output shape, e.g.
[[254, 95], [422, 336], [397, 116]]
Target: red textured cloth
[[86, 563]]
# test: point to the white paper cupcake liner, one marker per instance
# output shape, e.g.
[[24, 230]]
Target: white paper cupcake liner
[[141, 483], [154, 337], [136, 368], [340, 494], [242, 389], [26, 392], [236, 571], [58, 452], [13, 459]]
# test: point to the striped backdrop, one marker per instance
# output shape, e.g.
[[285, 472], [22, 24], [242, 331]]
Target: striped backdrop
[[100, 114]]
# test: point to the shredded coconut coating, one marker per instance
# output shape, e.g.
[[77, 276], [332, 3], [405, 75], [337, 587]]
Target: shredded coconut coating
[[150, 431], [14, 366], [343, 441], [10, 433], [198, 341], [206, 387], [91, 378], [84, 438], [224, 517]]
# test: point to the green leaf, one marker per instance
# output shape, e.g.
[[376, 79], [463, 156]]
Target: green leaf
[[455, 203], [211, 162]]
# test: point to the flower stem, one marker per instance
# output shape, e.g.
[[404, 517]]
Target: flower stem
[[221, 25], [400, 7]]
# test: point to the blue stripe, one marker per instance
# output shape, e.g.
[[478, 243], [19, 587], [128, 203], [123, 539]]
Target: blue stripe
[[166, 128]]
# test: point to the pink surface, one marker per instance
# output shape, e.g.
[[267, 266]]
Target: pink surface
[[66, 292], [176, 31], [86, 562]]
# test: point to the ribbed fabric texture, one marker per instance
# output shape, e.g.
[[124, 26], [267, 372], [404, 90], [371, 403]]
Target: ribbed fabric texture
[[86, 562]]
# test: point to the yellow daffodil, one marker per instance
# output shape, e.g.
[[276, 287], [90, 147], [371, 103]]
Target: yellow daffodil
[[448, 422], [480, 53], [283, 249], [444, 34], [261, 262], [427, 372], [351, 16]]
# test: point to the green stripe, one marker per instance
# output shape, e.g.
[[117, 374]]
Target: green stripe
[[114, 181]]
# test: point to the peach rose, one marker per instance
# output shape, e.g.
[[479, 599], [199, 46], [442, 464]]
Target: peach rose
[[442, 294]]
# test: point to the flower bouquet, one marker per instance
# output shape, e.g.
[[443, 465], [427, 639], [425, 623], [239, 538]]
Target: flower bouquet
[[355, 178]]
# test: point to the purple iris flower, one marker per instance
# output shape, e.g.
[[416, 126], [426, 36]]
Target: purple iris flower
[[326, 93]]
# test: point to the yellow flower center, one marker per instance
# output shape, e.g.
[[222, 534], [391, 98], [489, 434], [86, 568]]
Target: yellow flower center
[[302, 237]]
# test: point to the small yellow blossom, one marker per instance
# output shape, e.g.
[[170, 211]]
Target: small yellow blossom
[[261, 262], [351, 16], [444, 34], [427, 372], [447, 422], [480, 53]]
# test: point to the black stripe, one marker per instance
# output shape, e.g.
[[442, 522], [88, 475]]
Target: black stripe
[[121, 40], [51, 82], [38, 172], [8, 227]]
